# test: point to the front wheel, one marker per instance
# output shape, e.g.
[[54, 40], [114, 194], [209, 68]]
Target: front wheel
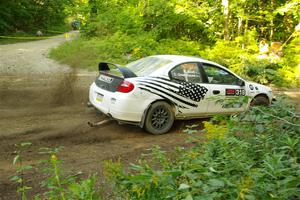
[[160, 118]]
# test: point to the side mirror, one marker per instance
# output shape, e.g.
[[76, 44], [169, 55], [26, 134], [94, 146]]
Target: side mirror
[[241, 82]]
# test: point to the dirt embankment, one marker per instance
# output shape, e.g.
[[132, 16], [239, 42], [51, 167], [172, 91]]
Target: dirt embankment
[[44, 102]]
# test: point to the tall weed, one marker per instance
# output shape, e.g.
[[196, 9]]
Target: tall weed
[[58, 184], [254, 155]]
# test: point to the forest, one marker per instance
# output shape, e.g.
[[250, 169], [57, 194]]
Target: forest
[[226, 31], [28, 16], [248, 156]]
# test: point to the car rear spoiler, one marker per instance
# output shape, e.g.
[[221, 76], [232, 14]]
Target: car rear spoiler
[[104, 66]]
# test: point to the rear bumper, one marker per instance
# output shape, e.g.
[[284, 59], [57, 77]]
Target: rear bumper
[[89, 104], [122, 107]]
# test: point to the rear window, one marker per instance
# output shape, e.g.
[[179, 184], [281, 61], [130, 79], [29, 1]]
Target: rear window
[[147, 65]]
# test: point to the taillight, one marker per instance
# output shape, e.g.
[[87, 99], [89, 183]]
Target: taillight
[[125, 87]]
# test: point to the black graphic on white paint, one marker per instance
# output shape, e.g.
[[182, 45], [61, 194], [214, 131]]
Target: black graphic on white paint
[[192, 91], [181, 94]]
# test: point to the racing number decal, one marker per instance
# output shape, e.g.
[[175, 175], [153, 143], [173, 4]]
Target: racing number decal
[[235, 92]]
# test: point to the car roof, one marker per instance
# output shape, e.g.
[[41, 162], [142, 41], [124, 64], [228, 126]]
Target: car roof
[[179, 58], [176, 59]]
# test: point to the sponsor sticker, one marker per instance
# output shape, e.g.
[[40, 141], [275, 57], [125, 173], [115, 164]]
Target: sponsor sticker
[[106, 79], [99, 97], [235, 92]]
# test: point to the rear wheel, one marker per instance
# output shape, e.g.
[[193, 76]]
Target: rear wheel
[[260, 101], [160, 118]]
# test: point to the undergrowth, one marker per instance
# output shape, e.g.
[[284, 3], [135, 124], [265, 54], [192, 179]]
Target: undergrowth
[[239, 55], [250, 156], [253, 155], [119, 48], [58, 184]]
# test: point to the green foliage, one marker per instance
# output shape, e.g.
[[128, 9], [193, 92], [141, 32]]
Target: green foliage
[[292, 52], [119, 48], [196, 20], [226, 53], [254, 155], [241, 56], [31, 15], [56, 185], [163, 19], [233, 54], [21, 170], [85, 189], [263, 71]]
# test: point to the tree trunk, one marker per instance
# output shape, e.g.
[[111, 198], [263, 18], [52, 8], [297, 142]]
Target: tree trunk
[[225, 3], [246, 26], [240, 24], [272, 22]]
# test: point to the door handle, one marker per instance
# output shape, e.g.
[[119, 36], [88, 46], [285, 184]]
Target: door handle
[[216, 91]]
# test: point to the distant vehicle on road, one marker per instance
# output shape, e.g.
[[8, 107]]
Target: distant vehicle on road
[[39, 33], [75, 24], [154, 91]]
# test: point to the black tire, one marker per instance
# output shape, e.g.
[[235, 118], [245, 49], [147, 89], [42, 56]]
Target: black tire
[[159, 118], [260, 101]]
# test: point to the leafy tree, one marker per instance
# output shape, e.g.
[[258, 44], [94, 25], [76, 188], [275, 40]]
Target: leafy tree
[[31, 15]]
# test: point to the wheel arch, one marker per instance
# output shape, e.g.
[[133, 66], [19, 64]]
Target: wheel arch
[[261, 95], [142, 123]]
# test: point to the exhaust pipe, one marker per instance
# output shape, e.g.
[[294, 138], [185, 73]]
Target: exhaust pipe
[[94, 124]]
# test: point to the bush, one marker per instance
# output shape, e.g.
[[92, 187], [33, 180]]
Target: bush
[[241, 58], [238, 55], [119, 48], [56, 185], [254, 155], [263, 71]]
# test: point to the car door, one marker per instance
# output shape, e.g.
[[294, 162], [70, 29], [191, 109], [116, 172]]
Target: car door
[[226, 90], [191, 88]]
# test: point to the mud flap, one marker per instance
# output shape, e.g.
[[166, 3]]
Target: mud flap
[[144, 116]]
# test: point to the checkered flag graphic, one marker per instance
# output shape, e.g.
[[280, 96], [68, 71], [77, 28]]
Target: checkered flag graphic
[[192, 91], [182, 94]]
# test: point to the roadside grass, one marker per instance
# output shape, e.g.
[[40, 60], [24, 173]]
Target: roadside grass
[[121, 48], [17, 38], [4, 41], [21, 36], [77, 54]]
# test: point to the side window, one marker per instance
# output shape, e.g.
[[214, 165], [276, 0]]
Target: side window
[[188, 72], [217, 75]]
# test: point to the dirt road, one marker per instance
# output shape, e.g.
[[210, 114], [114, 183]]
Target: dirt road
[[44, 102]]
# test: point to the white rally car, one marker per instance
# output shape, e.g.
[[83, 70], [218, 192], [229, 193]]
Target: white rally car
[[154, 91]]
